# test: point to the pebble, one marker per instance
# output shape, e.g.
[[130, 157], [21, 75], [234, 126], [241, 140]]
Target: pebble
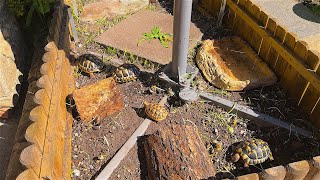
[[77, 85], [75, 156], [76, 172], [76, 134], [91, 167]]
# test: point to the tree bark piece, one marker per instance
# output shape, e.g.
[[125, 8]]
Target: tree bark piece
[[98, 100], [177, 152]]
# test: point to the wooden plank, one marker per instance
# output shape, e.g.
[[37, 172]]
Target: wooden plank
[[272, 54], [31, 158], [297, 170], [315, 115], [115, 161], [256, 39], [274, 173], [310, 95], [41, 98], [252, 176], [54, 145], [27, 174], [246, 112], [281, 63], [314, 173], [297, 63]]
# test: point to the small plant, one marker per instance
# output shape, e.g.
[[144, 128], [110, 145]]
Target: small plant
[[156, 33], [20, 7]]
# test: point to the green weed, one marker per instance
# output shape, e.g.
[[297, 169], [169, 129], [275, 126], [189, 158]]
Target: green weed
[[156, 33]]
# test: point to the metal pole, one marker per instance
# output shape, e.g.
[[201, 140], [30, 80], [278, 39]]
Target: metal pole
[[181, 29]]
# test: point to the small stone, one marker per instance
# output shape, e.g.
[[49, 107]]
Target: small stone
[[75, 156], [76, 172], [75, 149], [91, 167], [76, 134]]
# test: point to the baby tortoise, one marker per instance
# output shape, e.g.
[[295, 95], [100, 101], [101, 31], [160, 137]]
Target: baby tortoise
[[251, 152], [124, 74], [156, 111], [90, 64]]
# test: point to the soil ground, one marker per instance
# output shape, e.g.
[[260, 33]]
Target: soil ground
[[95, 145]]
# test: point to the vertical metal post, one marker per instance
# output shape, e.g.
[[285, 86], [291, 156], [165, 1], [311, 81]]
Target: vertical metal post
[[181, 29]]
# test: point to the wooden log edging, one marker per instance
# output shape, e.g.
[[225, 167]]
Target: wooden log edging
[[47, 134], [307, 170], [294, 62], [42, 147]]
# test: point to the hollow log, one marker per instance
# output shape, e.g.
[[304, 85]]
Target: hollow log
[[177, 152]]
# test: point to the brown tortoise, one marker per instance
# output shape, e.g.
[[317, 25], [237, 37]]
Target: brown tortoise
[[126, 73], [251, 152], [90, 64], [156, 111]]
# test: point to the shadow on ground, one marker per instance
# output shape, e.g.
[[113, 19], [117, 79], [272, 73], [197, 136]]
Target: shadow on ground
[[305, 13]]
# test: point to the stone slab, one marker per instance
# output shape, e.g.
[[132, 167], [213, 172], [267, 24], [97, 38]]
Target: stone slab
[[230, 64], [110, 9], [126, 34], [294, 16]]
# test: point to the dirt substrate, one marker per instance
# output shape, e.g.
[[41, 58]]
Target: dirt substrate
[[93, 146]]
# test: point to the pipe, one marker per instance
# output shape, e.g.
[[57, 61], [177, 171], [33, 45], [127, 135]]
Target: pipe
[[181, 29]]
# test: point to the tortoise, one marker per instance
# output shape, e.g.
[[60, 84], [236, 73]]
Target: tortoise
[[125, 73], [155, 111], [90, 64], [251, 152]]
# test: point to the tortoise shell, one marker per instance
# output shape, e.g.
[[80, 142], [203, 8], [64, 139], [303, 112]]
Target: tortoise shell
[[124, 75], [90, 64], [155, 111], [252, 151]]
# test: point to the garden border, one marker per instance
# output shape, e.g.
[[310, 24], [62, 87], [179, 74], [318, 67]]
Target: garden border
[[42, 147]]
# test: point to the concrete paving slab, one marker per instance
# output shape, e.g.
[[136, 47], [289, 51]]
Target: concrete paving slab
[[126, 34], [294, 16], [7, 135]]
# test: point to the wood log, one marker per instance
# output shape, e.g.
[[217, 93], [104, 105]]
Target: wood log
[[99, 100], [177, 152]]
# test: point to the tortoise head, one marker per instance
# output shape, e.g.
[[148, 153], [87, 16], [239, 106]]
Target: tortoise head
[[235, 157]]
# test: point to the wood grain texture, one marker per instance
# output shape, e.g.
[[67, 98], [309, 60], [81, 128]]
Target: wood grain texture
[[297, 170], [177, 152]]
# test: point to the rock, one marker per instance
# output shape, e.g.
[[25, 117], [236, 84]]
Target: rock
[[230, 64], [12, 59], [110, 9], [99, 100], [76, 172], [9, 77]]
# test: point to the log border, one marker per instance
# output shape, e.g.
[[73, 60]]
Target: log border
[[43, 140]]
